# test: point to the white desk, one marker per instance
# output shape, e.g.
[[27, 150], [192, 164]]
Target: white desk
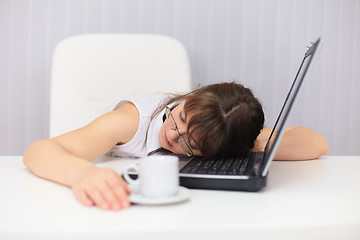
[[303, 200]]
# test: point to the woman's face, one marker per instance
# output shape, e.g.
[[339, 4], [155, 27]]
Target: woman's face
[[168, 137]]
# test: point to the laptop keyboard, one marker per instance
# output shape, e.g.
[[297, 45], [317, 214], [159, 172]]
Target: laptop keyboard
[[222, 166]]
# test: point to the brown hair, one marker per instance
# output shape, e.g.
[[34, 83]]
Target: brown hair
[[226, 119]]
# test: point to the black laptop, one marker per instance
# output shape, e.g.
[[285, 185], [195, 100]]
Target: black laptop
[[249, 171]]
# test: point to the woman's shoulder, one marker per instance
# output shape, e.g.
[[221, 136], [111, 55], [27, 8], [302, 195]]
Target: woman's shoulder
[[145, 106]]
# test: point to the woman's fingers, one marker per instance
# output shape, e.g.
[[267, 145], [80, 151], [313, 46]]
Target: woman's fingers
[[83, 198], [99, 199], [120, 190], [112, 199], [104, 188]]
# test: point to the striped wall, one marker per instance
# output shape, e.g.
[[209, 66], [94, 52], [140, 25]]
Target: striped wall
[[256, 42]]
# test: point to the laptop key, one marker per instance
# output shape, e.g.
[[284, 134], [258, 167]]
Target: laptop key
[[244, 164], [216, 166], [206, 166], [197, 167], [235, 167], [193, 166], [226, 166]]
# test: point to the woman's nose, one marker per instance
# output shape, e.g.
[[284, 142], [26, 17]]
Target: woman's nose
[[173, 134], [182, 130]]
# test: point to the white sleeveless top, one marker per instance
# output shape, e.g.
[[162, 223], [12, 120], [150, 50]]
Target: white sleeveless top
[[146, 137]]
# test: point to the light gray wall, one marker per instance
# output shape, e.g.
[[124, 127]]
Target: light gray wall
[[256, 42]]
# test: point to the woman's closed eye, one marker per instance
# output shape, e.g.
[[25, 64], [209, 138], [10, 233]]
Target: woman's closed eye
[[193, 144], [181, 117]]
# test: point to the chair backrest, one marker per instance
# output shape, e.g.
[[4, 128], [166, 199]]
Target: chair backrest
[[91, 73]]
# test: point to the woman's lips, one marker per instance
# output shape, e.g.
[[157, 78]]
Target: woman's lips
[[167, 141]]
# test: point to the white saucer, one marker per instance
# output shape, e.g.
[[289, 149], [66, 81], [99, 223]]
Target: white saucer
[[182, 195]]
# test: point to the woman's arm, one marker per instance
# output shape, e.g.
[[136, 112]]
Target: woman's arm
[[297, 143], [66, 159]]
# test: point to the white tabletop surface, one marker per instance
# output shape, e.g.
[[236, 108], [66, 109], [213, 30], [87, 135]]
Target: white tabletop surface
[[317, 199]]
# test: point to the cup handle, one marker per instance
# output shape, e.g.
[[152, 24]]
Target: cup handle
[[127, 177]]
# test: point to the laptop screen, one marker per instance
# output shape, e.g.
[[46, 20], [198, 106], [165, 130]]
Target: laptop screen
[[280, 124]]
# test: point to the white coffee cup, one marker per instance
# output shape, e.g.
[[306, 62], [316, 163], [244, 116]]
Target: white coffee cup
[[158, 176]]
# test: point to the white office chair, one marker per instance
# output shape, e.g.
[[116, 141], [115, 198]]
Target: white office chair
[[91, 73]]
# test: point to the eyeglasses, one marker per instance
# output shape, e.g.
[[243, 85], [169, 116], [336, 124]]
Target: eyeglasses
[[183, 144]]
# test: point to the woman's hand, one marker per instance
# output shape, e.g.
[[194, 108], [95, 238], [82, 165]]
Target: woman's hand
[[101, 187]]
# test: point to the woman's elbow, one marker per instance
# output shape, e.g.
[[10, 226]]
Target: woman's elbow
[[27, 156], [322, 147], [32, 151]]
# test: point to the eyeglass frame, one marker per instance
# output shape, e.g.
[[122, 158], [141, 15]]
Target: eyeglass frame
[[181, 138]]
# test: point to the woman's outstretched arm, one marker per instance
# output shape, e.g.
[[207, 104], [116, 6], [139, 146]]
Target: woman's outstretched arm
[[66, 159], [297, 143]]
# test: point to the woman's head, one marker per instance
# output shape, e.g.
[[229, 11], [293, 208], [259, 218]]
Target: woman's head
[[217, 120]]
